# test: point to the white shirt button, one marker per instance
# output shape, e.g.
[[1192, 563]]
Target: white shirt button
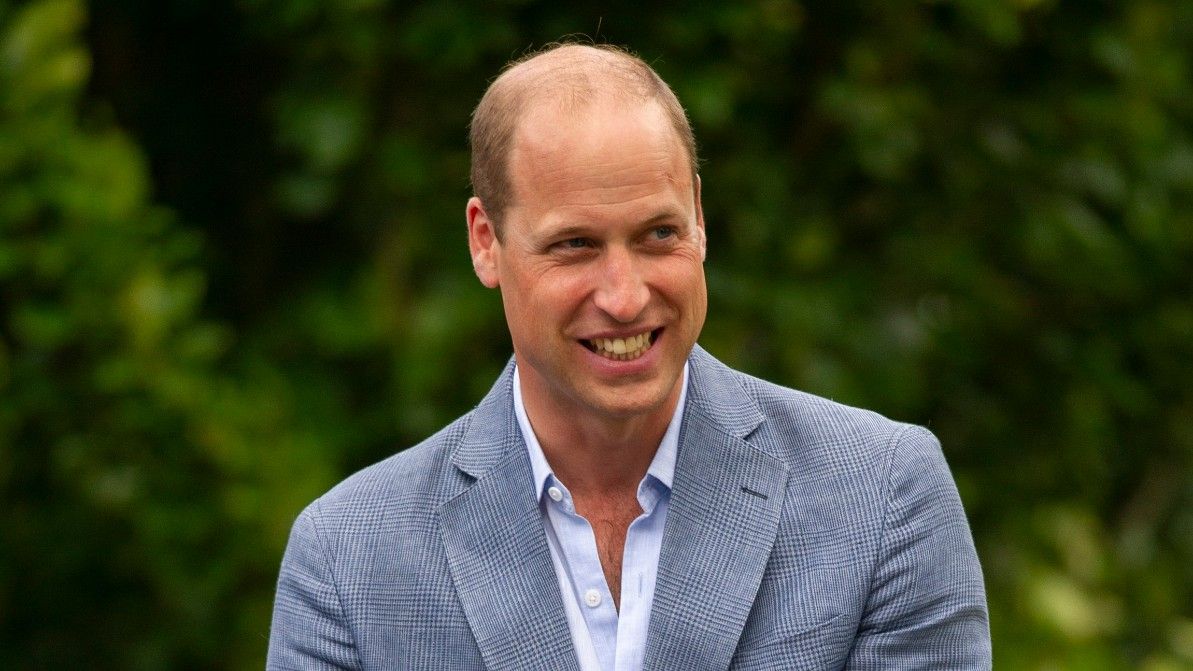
[[592, 598], [554, 493]]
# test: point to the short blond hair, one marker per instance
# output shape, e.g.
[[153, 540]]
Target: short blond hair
[[573, 74]]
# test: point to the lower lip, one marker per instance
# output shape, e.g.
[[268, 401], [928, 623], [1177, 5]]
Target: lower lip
[[614, 367]]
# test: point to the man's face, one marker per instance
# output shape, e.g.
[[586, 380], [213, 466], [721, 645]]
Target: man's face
[[601, 265]]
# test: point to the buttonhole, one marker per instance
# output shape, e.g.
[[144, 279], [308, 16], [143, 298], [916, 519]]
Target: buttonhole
[[751, 492]]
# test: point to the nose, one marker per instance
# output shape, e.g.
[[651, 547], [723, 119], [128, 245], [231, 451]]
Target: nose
[[621, 293]]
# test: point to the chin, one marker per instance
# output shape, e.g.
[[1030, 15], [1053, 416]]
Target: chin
[[624, 404]]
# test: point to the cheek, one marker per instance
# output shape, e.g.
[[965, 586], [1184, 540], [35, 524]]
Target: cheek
[[682, 279], [562, 288], [541, 302]]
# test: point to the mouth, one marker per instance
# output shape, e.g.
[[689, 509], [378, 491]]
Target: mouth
[[623, 349]]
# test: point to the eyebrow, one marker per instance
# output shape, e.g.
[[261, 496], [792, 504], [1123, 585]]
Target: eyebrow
[[582, 230], [666, 215]]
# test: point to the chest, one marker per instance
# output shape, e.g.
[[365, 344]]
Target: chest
[[610, 519]]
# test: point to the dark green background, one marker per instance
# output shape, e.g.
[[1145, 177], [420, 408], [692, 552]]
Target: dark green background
[[233, 270]]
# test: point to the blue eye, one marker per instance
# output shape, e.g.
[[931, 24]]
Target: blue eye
[[575, 243], [664, 232]]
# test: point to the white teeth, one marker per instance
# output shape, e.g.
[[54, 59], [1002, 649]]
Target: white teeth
[[622, 349]]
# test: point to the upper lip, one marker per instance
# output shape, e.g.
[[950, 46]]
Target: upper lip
[[624, 333]]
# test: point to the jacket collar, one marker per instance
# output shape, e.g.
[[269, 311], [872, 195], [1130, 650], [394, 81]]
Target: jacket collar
[[717, 393]]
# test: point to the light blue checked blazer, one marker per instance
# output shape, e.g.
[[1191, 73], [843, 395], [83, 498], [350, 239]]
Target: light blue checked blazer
[[802, 534]]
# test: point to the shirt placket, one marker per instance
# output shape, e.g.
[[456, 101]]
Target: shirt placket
[[638, 570], [578, 544]]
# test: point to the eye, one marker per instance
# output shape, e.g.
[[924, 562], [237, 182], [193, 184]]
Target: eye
[[664, 232], [571, 246]]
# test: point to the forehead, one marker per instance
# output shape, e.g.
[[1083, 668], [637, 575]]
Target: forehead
[[607, 150]]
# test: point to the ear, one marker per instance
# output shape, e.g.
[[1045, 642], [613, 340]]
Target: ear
[[482, 243], [700, 220]]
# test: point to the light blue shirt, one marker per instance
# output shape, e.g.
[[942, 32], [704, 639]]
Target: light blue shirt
[[604, 640]]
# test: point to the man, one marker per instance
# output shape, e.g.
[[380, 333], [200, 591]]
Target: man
[[620, 499]]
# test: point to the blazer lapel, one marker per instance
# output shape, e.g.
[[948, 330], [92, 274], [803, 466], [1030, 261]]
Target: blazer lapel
[[497, 550], [721, 525]]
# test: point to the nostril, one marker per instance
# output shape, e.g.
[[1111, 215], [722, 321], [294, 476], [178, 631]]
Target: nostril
[[624, 301]]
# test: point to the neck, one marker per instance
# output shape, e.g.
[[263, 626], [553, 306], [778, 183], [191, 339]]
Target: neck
[[597, 454]]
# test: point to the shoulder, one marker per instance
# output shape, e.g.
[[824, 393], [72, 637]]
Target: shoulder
[[854, 453], [844, 463], [397, 491], [798, 424], [801, 429], [399, 498]]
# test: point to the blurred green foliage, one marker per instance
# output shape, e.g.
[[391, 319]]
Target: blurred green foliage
[[233, 269]]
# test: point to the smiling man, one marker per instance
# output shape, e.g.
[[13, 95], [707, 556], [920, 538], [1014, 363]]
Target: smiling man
[[621, 500]]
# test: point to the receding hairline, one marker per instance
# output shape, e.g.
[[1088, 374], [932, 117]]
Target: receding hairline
[[571, 78], [567, 77]]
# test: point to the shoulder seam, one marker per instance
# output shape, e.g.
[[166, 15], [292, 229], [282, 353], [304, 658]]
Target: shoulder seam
[[892, 446], [313, 514]]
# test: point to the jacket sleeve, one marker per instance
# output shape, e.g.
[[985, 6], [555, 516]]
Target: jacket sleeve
[[309, 628], [927, 604]]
